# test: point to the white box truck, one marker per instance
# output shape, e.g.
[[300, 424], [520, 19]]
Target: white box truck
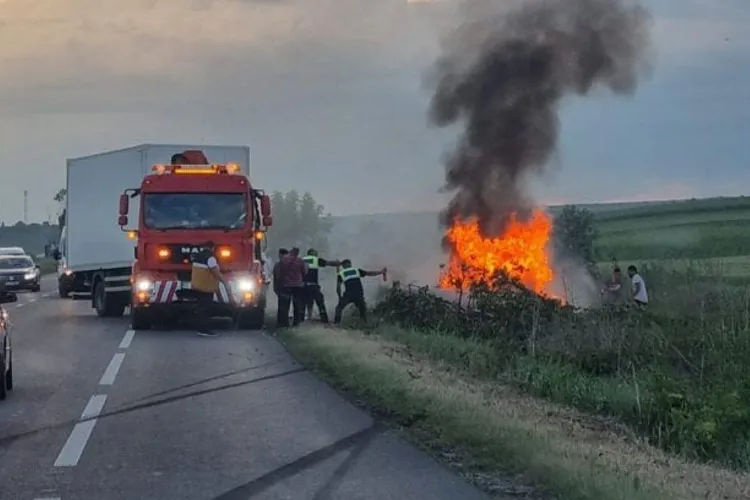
[[93, 247]]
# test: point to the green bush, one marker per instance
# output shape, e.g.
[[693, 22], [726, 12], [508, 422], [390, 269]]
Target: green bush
[[676, 373]]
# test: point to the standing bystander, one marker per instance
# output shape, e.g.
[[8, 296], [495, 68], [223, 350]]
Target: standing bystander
[[293, 270], [640, 295]]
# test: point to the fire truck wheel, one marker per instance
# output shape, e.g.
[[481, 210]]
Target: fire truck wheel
[[253, 319], [9, 376], [140, 319], [3, 381]]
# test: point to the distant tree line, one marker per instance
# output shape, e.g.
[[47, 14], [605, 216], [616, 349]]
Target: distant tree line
[[575, 234], [31, 237], [300, 221]]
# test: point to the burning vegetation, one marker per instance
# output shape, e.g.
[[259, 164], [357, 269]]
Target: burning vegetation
[[520, 252], [503, 76]]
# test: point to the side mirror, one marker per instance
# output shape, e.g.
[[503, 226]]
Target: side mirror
[[56, 255], [124, 205], [38, 267], [265, 205], [122, 220], [267, 220], [7, 297]]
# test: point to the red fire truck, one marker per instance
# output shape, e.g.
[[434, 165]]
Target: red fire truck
[[182, 207]]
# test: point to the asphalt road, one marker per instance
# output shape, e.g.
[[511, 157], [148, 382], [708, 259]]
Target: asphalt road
[[100, 412]]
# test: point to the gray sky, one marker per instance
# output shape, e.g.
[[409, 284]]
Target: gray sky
[[328, 94]]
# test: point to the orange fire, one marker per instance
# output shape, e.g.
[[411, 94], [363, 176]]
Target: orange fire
[[521, 251]]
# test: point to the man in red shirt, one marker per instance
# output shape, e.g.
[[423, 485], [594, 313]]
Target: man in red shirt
[[292, 270]]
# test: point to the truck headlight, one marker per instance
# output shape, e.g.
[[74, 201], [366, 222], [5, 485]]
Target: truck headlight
[[246, 285], [143, 285]]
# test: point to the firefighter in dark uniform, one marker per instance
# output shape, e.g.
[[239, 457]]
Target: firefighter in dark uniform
[[205, 279], [312, 284], [354, 293]]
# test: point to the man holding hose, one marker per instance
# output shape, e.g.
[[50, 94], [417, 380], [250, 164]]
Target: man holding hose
[[354, 293]]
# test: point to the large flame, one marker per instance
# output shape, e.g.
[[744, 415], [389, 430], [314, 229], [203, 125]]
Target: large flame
[[521, 251]]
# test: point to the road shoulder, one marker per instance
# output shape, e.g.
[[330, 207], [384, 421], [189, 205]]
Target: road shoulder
[[499, 439]]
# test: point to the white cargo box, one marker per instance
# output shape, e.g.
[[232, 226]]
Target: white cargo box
[[95, 183]]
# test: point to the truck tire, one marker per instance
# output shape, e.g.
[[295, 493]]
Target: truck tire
[[3, 380], [140, 318], [106, 307], [9, 375], [253, 319]]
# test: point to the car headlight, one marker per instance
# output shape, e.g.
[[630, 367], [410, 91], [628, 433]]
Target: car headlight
[[67, 272], [143, 285], [29, 276], [246, 285]]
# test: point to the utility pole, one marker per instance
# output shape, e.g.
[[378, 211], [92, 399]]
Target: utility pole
[[25, 206]]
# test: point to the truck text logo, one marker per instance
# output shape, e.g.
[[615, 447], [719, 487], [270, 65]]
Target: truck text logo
[[190, 250]]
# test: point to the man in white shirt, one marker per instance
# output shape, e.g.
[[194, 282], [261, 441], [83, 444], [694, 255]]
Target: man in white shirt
[[640, 295]]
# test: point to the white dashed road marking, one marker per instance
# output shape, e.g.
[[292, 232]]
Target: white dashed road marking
[[49, 498], [112, 368], [127, 339], [73, 448], [20, 305], [76, 443]]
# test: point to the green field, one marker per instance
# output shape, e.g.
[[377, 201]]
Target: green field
[[729, 267], [715, 231]]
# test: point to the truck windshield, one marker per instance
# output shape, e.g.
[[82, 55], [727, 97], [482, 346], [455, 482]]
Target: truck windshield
[[194, 210], [15, 263]]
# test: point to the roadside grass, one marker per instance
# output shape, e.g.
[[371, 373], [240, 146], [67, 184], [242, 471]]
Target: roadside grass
[[446, 395]]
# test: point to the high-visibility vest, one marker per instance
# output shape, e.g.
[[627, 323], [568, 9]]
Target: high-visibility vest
[[349, 274], [201, 277], [312, 261]]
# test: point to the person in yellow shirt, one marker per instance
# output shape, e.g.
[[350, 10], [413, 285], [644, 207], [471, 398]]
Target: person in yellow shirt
[[204, 281]]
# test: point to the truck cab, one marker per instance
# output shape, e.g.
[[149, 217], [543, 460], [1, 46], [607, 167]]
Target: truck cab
[[182, 207]]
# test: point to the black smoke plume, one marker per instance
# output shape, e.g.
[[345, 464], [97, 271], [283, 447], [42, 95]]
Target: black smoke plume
[[503, 75]]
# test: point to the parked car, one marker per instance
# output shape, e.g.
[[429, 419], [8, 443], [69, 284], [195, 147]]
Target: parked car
[[19, 272], [12, 251], [6, 358]]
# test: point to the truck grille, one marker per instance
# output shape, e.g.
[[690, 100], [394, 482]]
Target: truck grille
[[181, 253]]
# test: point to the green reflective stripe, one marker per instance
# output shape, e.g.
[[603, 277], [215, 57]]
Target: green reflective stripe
[[311, 261], [349, 273]]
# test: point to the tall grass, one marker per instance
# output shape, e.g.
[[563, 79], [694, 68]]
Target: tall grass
[[679, 373]]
